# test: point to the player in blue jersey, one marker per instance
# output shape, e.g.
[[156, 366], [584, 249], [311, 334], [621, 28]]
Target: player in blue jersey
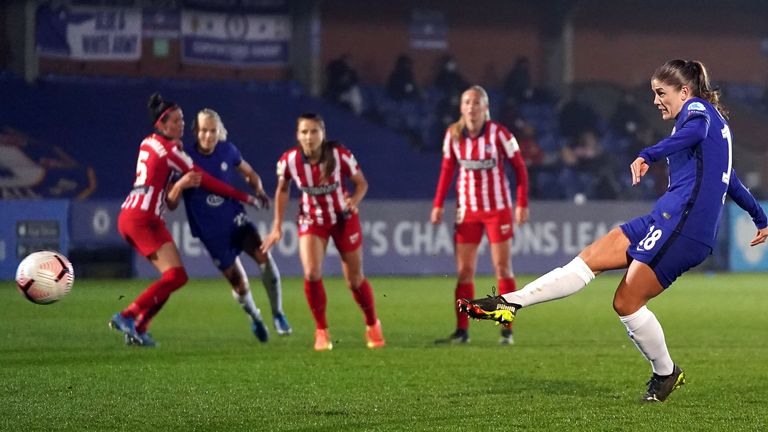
[[221, 223], [677, 235]]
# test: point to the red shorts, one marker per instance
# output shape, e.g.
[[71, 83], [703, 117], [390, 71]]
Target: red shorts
[[346, 232], [146, 235], [497, 223]]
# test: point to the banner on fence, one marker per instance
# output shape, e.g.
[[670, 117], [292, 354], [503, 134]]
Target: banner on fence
[[235, 38], [88, 32]]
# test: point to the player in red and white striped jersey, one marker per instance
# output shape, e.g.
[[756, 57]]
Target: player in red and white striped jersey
[[141, 223], [480, 149], [320, 169]]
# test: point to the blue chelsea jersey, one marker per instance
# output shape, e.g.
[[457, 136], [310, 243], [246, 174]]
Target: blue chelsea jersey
[[208, 213], [699, 156]]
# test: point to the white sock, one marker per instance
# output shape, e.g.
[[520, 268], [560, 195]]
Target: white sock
[[646, 332], [270, 277], [246, 302], [558, 283]]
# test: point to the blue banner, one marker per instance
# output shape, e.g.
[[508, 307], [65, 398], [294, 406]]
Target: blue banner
[[741, 229], [27, 226], [88, 32], [235, 38]]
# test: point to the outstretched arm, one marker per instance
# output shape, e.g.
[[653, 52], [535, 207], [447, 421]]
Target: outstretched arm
[[281, 202], [744, 199], [254, 181]]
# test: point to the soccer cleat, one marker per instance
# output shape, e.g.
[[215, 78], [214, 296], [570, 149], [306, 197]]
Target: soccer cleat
[[506, 336], [144, 340], [323, 340], [281, 325], [490, 308], [125, 325], [260, 330], [659, 387], [460, 336], [373, 336]]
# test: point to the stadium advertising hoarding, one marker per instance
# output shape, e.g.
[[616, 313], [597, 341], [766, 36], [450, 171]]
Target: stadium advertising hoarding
[[398, 237], [88, 32], [30, 225], [741, 229]]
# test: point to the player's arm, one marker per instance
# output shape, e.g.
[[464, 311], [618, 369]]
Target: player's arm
[[447, 169], [254, 181], [691, 133], [189, 180], [744, 199], [361, 188], [282, 193], [521, 178]]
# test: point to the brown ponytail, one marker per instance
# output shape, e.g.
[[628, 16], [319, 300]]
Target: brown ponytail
[[691, 73]]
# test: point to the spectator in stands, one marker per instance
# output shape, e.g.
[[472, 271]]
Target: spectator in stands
[[343, 85], [577, 117], [448, 79], [222, 224], [517, 83], [480, 147], [140, 221], [320, 169], [588, 169], [677, 235], [401, 84]]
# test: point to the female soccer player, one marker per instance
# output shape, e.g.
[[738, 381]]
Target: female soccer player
[[320, 168], [677, 235], [221, 223], [480, 147], [141, 223]]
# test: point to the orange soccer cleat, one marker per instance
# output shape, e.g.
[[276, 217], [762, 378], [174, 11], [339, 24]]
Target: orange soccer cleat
[[323, 340], [373, 336]]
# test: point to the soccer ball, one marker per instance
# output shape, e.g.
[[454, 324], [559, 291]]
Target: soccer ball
[[44, 277]]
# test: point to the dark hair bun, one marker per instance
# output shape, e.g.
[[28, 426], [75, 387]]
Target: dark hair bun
[[157, 106]]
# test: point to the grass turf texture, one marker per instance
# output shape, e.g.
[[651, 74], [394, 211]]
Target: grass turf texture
[[572, 366]]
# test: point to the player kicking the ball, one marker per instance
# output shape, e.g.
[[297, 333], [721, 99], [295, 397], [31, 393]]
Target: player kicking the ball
[[655, 249]]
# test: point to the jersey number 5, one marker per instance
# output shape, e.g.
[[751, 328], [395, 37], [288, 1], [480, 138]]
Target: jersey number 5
[[141, 168]]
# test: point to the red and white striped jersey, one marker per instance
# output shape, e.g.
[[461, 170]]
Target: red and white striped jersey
[[321, 202], [159, 157], [482, 184]]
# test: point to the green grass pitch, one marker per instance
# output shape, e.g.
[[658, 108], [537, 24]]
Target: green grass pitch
[[572, 366]]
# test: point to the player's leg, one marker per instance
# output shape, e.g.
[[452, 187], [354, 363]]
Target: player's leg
[[312, 252], [500, 230], [151, 239], [270, 277], [659, 258], [348, 238], [467, 237], [241, 292], [606, 253]]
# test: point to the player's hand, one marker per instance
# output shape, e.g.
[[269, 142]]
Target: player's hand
[[190, 179], [263, 199], [271, 240], [437, 215], [762, 235], [351, 207], [639, 168], [521, 215]]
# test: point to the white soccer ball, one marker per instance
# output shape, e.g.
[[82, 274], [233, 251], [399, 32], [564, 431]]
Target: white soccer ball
[[45, 277]]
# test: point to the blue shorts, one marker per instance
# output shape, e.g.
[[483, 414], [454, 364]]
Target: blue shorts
[[668, 253], [225, 246]]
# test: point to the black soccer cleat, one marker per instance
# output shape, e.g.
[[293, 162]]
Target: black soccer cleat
[[460, 336], [659, 387], [490, 308]]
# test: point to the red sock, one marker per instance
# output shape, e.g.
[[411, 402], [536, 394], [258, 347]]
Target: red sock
[[506, 285], [464, 290], [364, 297], [157, 293], [143, 319], [315, 293]]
